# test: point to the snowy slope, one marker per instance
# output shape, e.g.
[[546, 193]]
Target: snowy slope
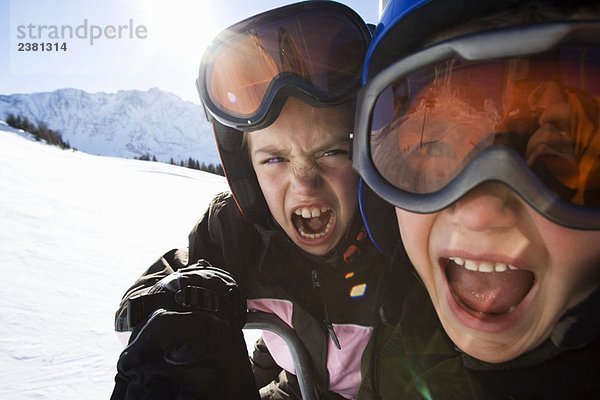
[[75, 231], [125, 124]]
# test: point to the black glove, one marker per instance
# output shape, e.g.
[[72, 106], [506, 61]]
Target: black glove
[[191, 344]]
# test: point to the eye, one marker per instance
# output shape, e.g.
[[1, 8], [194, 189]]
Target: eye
[[335, 152], [272, 160]]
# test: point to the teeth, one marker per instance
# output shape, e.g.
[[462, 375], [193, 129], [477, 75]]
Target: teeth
[[470, 265], [500, 267], [314, 212], [484, 266], [315, 235], [458, 260]]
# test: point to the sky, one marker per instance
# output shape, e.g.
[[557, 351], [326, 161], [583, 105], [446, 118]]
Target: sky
[[76, 231], [114, 45]]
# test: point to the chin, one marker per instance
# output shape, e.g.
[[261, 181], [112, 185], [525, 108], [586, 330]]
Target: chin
[[491, 348], [315, 250], [492, 356]]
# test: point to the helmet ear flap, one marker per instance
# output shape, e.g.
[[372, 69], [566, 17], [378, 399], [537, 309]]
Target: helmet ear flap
[[240, 173], [379, 218]]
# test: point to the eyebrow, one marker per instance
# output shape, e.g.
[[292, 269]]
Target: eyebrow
[[269, 149], [273, 149]]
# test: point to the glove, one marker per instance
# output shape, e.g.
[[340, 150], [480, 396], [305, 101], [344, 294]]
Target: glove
[[190, 348]]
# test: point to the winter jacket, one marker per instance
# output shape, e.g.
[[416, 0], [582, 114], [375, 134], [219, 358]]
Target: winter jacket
[[411, 357], [329, 301]]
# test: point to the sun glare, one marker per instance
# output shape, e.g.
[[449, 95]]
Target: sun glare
[[180, 28], [178, 33]]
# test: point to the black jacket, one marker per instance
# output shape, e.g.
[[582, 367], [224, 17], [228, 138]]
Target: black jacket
[[325, 299]]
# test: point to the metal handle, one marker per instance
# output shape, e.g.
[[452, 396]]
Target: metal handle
[[302, 362]]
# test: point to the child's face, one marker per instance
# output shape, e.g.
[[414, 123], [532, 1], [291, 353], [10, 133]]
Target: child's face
[[497, 316], [499, 274], [302, 165]]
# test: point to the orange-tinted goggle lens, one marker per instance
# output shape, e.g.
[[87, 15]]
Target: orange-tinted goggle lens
[[319, 51], [429, 125]]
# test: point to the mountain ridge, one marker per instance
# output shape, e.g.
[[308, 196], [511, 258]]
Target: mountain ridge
[[127, 123]]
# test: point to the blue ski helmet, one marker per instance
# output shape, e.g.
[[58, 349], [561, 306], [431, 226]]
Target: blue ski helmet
[[405, 26], [404, 37]]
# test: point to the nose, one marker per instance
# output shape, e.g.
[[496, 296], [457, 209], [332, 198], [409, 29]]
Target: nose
[[489, 206], [305, 178]]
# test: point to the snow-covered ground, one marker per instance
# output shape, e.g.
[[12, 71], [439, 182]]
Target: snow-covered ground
[[75, 231]]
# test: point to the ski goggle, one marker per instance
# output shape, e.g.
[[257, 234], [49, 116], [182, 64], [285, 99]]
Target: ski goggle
[[518, 106], [313, 50]]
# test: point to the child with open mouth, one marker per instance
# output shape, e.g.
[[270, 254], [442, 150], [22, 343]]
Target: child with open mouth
[[279, 89], [480, 122]]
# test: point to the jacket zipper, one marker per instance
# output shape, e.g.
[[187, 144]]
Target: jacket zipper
[[316, 283]]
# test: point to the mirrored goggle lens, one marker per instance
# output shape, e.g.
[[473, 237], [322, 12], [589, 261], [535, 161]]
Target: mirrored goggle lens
[[429, 125], [320, 50]]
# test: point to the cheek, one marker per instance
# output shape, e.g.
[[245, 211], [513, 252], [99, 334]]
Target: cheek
[[415, 230], [347, 189], [574, 257], [272, 188], [341, 180]]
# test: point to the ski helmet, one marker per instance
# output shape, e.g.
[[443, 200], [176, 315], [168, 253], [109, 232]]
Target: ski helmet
[[312, 50], [406, 25], [401, 61], [403, 27], [240, 173]]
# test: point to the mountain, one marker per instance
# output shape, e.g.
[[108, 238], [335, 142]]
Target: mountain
[[125, 124]]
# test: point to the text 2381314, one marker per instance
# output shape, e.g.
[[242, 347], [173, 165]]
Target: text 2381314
[[42, 46]]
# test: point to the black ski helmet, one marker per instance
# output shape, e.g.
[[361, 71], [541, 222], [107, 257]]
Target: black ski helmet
[[240, 173]]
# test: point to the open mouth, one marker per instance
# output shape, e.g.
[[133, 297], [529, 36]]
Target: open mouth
[[313, 222], [487, 288]]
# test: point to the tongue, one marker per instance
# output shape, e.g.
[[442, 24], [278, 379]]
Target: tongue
[[315, 224], [493, 292]]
